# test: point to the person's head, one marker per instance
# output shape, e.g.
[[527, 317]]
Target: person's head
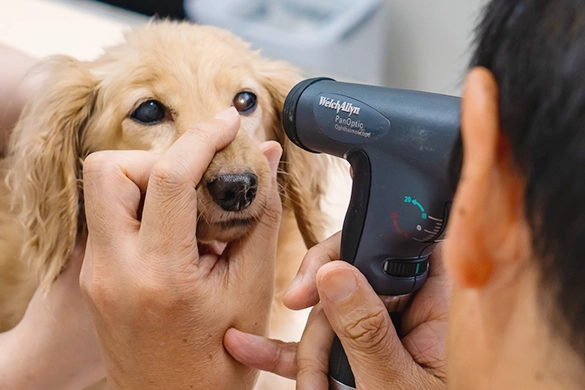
[[516, 247]]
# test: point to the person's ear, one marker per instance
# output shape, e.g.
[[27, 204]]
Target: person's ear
[[487, 227]]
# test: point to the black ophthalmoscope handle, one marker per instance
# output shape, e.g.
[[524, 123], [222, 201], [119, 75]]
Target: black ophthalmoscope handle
[[340, 374]]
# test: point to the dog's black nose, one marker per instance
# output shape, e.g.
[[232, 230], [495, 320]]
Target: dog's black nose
[[234, 192]]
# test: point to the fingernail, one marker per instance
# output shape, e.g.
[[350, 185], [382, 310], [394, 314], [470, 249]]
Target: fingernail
[[338, 284], [249, 337], [294, 284], [251, 341], [229, 113]]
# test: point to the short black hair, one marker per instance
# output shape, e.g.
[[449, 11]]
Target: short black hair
[[536, 51]]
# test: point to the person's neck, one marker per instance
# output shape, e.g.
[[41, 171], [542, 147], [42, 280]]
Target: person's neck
[[522, 351], [531, 357]]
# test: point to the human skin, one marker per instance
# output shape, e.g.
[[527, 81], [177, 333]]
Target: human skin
[[160, 308], [66, 354], [348, 305], [499, 331], [55, 345], [499, 335], [14, 89]]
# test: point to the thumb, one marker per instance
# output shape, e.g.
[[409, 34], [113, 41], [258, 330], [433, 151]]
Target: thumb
[[361, 321], [260, 243]]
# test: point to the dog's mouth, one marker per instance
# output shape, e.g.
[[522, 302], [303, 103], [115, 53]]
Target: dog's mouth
[[223, 231], [230, 230]]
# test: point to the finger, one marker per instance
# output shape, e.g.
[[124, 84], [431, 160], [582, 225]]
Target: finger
[[359, 318], [313, 352], [273, 151], [247, 254], [76, 260], [86, 271], [170, 205], [431, 302], [67, 284], [436, 266], [262, 353], [113, 184], [302, 292]]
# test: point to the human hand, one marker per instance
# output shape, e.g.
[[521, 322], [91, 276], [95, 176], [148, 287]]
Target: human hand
[[160, 307], [16, 88], [55, 345], [379, 358]]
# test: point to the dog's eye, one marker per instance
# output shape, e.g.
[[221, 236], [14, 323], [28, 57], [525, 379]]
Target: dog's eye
[[150, 112], [245, 102]]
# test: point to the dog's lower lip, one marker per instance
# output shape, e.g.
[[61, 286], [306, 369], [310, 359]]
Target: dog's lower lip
[[235, 222]]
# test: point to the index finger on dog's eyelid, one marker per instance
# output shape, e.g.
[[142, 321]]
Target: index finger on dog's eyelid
[[174, 178]]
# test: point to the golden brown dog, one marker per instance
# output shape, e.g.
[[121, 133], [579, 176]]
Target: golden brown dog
[[143, 94]]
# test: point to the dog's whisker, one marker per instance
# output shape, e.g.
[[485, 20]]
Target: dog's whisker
[[202, 215]]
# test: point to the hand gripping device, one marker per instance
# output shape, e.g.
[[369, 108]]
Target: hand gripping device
[[399, 144]]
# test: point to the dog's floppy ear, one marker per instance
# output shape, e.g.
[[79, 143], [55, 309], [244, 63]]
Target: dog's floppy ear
[[303, 174], [45, 173]]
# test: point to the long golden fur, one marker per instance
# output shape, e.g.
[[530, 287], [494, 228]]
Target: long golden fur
[[195, 72]]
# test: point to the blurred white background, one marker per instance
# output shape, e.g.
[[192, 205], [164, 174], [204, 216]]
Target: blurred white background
[[414, 44]]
